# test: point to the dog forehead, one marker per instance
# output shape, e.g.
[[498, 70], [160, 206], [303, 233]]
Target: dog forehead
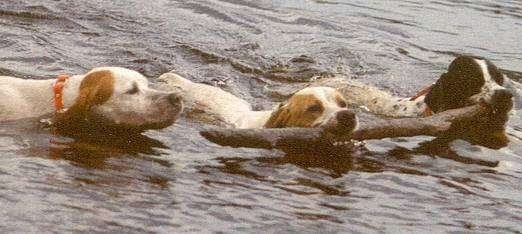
[[124, 78], [490, 73], [322, 94]]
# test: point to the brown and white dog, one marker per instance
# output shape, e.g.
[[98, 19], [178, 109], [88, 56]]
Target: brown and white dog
[[309, 107], [111, 96]]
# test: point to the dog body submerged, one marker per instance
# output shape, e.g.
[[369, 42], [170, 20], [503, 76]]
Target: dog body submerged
[[112, 95], [310, 107]]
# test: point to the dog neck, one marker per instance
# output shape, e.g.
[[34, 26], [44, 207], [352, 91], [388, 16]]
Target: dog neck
[[40, 94], [253, 119]]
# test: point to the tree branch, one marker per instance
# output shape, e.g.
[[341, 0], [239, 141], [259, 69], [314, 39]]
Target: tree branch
[[281, 138]]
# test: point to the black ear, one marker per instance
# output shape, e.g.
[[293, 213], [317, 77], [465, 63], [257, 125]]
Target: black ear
[[495, 73], [463, 79], [436, 99]]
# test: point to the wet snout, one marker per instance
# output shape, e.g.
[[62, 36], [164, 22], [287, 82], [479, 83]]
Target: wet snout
[[502, 94], [174, 102], [502, 100], [174, 99], [345, 121]]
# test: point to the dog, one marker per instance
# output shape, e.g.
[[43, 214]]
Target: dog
[[309, 107], [467, 81], [109, 96]]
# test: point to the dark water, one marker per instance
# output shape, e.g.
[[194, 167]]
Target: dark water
[[173, 180]]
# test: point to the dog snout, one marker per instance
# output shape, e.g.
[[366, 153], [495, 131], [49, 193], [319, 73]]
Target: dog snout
[[502, 101], [502, 94], [343, 122], [346, 117], [174, 99]]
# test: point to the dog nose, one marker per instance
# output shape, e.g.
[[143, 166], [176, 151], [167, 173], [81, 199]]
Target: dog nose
[[502, 101], [174, 99], [345, 117], [502, 94]]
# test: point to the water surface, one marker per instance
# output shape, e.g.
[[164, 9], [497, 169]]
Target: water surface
[[174, 180]]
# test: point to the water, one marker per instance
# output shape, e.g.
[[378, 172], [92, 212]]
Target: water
[[174, 180]]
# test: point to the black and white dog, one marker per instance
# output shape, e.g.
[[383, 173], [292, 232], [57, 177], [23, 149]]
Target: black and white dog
[[467, 81]]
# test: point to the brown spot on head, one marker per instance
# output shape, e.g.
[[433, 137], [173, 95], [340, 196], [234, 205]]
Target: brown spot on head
[[299, 111], [95, 89], [339, 99]]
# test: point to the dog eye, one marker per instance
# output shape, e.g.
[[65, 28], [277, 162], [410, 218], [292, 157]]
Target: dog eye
[[341, 103], [315, 108], [134, 90]]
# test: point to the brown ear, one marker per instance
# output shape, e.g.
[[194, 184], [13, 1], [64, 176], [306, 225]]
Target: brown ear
[[95, 89], [278, 118]]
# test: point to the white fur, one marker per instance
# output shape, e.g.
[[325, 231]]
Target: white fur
[[23, 98], [209, 99]]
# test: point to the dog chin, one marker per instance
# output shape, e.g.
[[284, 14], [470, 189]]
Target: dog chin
[[135, 124], [340, 127]]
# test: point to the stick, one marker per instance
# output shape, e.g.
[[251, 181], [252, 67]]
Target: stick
[[434, 125]]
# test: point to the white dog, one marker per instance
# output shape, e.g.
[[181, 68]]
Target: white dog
[[310, 107], [110, 95]]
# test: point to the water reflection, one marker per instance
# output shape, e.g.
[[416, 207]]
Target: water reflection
[[92, 151]]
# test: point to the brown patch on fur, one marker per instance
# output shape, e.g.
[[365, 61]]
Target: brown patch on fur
[[339, 99], [300, 111], [95, 89]]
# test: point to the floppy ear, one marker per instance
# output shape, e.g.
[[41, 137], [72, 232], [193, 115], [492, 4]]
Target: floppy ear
[[278, 118], [95, 89], [436, 98]]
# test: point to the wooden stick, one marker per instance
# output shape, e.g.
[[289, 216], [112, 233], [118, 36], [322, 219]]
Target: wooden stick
[[434, 125]]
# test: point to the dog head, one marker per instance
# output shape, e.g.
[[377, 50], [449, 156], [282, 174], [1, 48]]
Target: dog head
[[120, 98], [472, 80], [469, 80], [313, 107]]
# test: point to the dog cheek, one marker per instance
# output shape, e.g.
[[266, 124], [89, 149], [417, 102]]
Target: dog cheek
[[278, 119]]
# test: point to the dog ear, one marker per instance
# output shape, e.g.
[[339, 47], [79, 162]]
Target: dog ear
[[436, 98], [453, 89], [95, 89], [279, 117]]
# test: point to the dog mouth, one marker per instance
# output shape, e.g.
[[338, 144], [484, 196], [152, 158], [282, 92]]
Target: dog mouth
[[500, 101], [133, 122], [342, 123]]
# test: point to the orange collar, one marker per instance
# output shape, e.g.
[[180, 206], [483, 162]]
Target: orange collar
[[58, 92], [422, 92]]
